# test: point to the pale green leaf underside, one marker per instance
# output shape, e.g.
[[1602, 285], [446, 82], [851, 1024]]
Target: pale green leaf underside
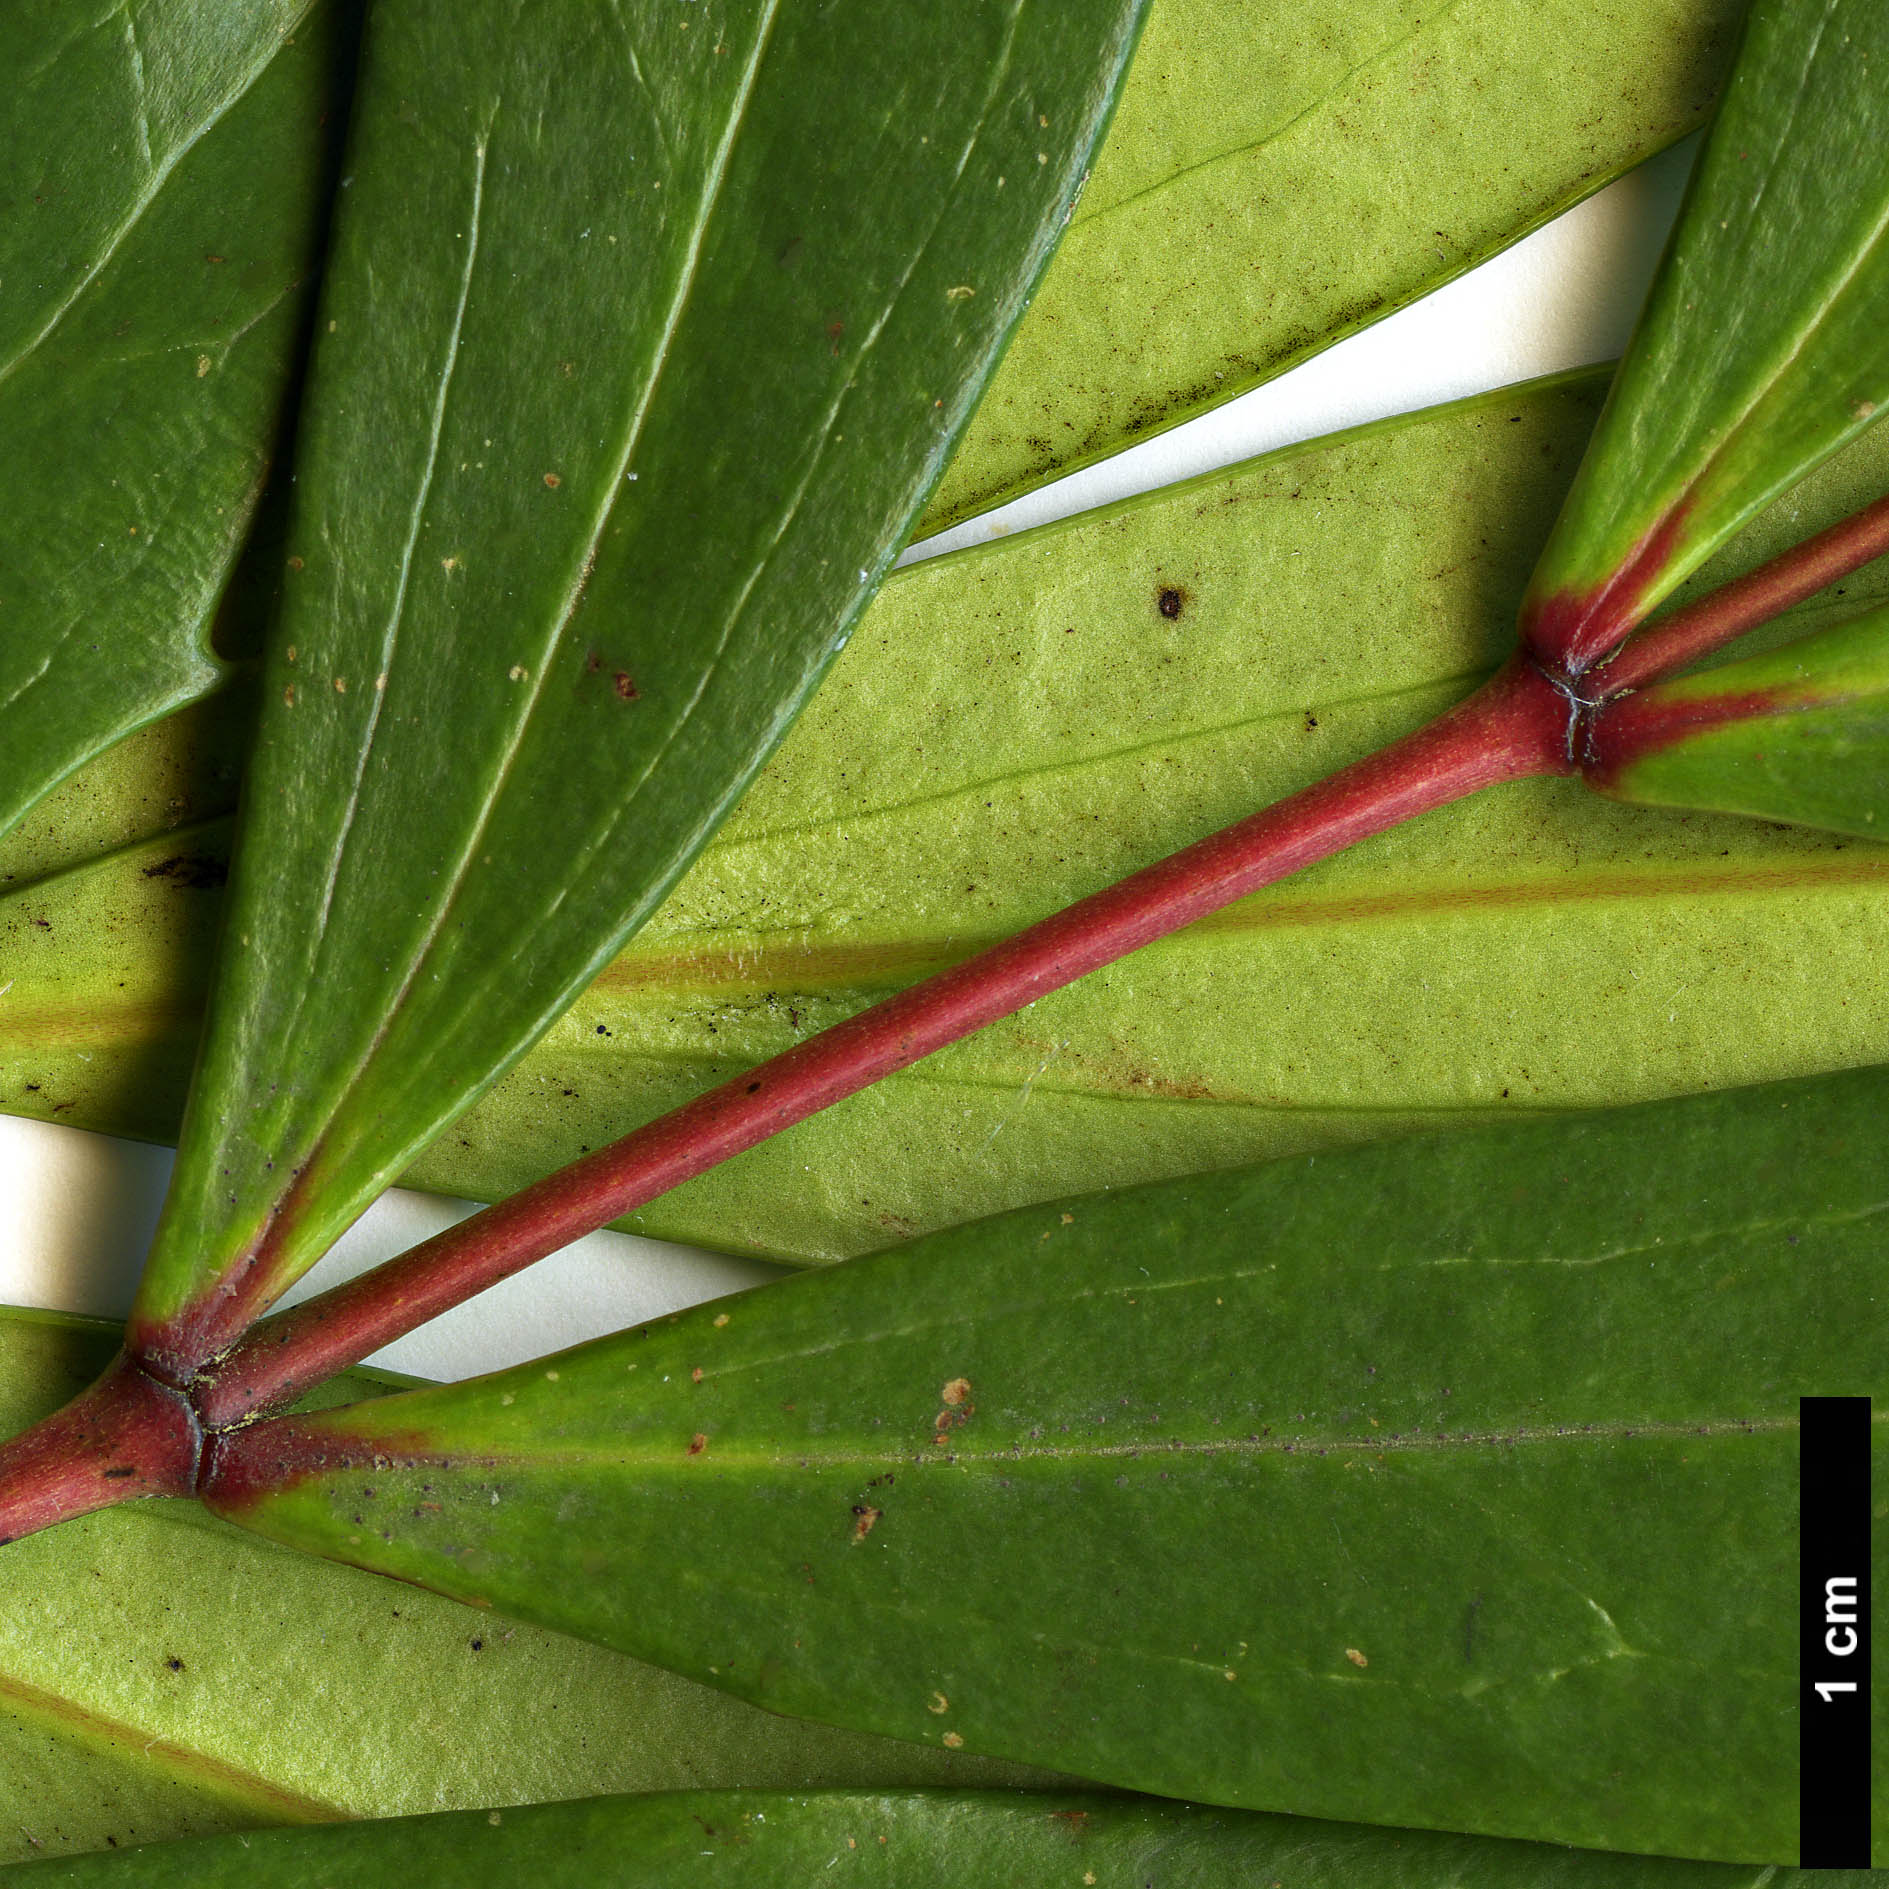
[[1277, 177], [1019, 725], [302, 1692]]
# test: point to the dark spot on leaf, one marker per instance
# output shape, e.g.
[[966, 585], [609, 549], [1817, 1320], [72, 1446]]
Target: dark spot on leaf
[[193, 872], [788, 254], [119, 1472], [625, 688], [1170, 600], [175, 1664]]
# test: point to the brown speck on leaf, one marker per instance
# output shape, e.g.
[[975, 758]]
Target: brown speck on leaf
[[341, 685], [958, 1389], [1170, 600], [1355, 1657], [834, 329], [295, 564], [175, 1664], [552, 480], [721, 1319], [625, 688], [695, 1376], [1069, 1219], [864, 1517], [697, 1444], [288, 696]]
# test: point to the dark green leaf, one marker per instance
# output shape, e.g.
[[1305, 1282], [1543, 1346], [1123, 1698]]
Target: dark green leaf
[[161, 1674], [1448, 1483], [1016, 726], [642, 339], [169, 163], [1280, 176], [933, 1840], [1760, 349]]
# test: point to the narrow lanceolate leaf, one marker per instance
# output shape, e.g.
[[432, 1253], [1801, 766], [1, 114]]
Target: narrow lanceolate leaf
[[1280, 176], [1016, 727], [1799, 733], [1759, 351], [168, 174], [163, 1675], [642, 341], [929, 1840], [1371, 1486]]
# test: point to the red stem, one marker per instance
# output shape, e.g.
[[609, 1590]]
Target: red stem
[[125, 1437], [1516, 726], [1747, 602]]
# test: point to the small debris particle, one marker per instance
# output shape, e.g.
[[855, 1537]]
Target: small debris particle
[[697, 1444], [937, 1705], [1355, 1657], [478, 1646], [552, 480], [695, 1376], [956, 1391], [954, 1740], [865, 1516], [1170, 600], [341, 685]]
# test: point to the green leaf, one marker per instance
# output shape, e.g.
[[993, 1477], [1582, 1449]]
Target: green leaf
[[169, 179], [1278, 177], [1371, 1485], [1016, 726], [1799, 734], [1759, 352], [744, 261], [930, 1840], [162, 1674]]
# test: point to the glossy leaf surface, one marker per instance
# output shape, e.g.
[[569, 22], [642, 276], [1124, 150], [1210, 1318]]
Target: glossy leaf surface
[[933, 1840], [1371, 1485], [169, 167], [1759, 351], [504, 604], [1014, 727], [161, 1674], [1277, 177], [1799, 733]]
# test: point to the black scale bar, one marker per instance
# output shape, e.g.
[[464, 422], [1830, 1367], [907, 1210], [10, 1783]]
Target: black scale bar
[[1833, 1664]]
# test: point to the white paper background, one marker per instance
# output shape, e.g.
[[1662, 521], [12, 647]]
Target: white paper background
[[76, 1210]]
